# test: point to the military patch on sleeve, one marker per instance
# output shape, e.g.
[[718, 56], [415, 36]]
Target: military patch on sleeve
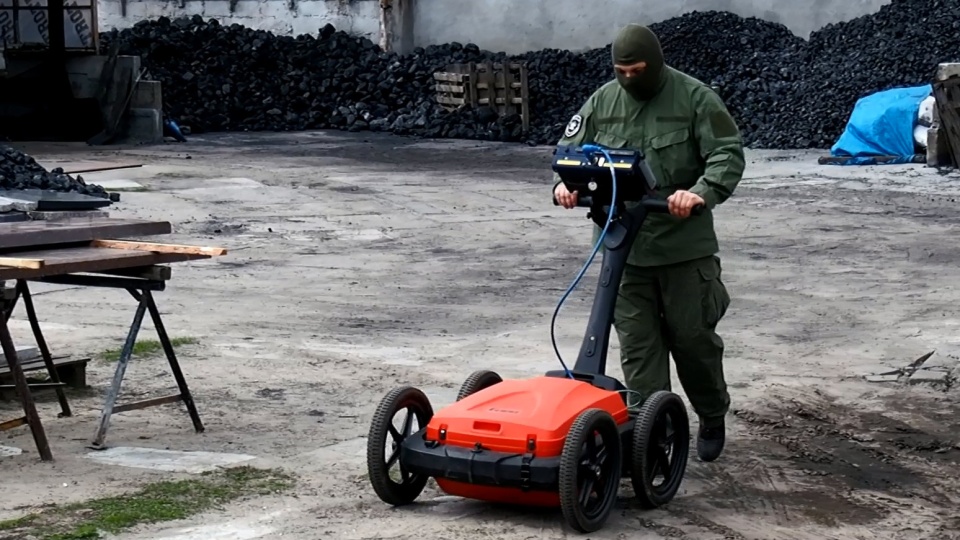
[[722, 125], [573, 126]]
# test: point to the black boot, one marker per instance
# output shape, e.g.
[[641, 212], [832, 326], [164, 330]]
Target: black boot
[[710, 441]]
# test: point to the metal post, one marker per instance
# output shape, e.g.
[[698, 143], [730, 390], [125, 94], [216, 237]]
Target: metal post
[[114, 392], [23, 390], [24, 291]]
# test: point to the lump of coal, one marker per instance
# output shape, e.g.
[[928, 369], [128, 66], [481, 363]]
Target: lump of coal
[[20, 171], [785, 92]]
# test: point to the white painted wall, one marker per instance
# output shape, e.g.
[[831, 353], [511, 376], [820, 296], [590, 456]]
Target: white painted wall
[[359, 17], [512, 26]]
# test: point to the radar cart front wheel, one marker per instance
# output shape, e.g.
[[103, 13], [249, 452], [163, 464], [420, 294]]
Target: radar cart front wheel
[[661, 444], [590, 470], [385, 438]]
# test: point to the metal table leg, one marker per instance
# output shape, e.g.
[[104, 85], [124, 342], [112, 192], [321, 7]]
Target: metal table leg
[[172, 359], [24, 291], [114, 392], [141, 291], [31, 416]]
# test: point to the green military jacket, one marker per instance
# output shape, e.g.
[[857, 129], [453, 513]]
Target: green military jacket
[[690, 141]]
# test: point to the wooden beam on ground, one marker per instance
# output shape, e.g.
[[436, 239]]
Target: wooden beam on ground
[[159, 248]]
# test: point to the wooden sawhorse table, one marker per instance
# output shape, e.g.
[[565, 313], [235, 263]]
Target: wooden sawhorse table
[[98, 263]]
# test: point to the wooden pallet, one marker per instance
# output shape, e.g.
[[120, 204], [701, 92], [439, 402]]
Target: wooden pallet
[[947, 93], [71, 371], [503, 87]]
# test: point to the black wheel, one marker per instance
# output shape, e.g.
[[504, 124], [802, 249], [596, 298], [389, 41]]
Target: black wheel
[[478, 380], [661, 443], [383, 445], [590, 470]]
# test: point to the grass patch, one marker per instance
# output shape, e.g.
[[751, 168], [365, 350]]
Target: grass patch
[[18, 523], [147, 347], [161, 501]]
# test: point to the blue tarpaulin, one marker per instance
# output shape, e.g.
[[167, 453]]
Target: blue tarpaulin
[[882, 124]]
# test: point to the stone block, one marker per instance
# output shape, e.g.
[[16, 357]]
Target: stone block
[[26, 353], [144, 126], [17, 204], [946, 71], [929, 376], [147, 96]]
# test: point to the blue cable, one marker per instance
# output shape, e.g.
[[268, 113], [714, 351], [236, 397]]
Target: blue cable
[[587, 149]]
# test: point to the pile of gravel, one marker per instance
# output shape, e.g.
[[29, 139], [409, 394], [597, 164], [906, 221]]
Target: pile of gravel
[[784, 91], [20, 171]]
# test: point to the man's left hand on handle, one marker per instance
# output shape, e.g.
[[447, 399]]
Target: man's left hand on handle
[[681, 203]]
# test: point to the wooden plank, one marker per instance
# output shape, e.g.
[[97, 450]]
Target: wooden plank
[[160, 248], [88, 259], [64, 231], [37, 364], [484, 83], [471, 83], [456, 89], [444, 100], [15, 262], [947, 94], [147, 403], [15, 423], [448, 77], [504, 78]]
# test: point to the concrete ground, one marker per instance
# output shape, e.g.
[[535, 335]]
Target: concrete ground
[[359, 263]]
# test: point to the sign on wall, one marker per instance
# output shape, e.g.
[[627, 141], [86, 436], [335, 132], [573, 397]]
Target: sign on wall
[[27, 22]]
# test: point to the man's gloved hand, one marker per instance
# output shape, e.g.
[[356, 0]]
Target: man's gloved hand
[[681, 203], [566, 199]]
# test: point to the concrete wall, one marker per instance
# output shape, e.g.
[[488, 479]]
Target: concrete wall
[[512, 26], [360, 17], [518, 26]]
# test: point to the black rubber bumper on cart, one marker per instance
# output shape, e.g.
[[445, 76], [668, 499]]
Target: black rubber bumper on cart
[[479, 465]]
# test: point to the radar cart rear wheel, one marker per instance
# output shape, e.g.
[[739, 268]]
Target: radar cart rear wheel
[[385, 438], [477, 381], [661, 443], [590, 470]]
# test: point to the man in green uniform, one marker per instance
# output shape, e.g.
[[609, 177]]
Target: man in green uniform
[[671, 296]]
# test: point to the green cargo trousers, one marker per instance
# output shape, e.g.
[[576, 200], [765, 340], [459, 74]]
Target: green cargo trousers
[[674, 309]]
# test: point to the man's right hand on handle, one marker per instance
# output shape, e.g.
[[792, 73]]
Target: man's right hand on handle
[[564, 197]]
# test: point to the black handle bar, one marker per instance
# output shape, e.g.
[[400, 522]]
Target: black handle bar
[[659, 206]]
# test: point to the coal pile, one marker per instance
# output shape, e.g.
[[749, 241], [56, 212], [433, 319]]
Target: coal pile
[[900, 45], [20, 171], [784, 91]]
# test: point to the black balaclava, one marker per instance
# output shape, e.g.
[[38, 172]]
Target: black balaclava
[[635, 43]]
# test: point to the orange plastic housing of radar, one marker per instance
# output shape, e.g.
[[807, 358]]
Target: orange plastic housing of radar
[[507, 416]]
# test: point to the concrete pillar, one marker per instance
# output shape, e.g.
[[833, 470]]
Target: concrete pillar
[[396, 25]]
